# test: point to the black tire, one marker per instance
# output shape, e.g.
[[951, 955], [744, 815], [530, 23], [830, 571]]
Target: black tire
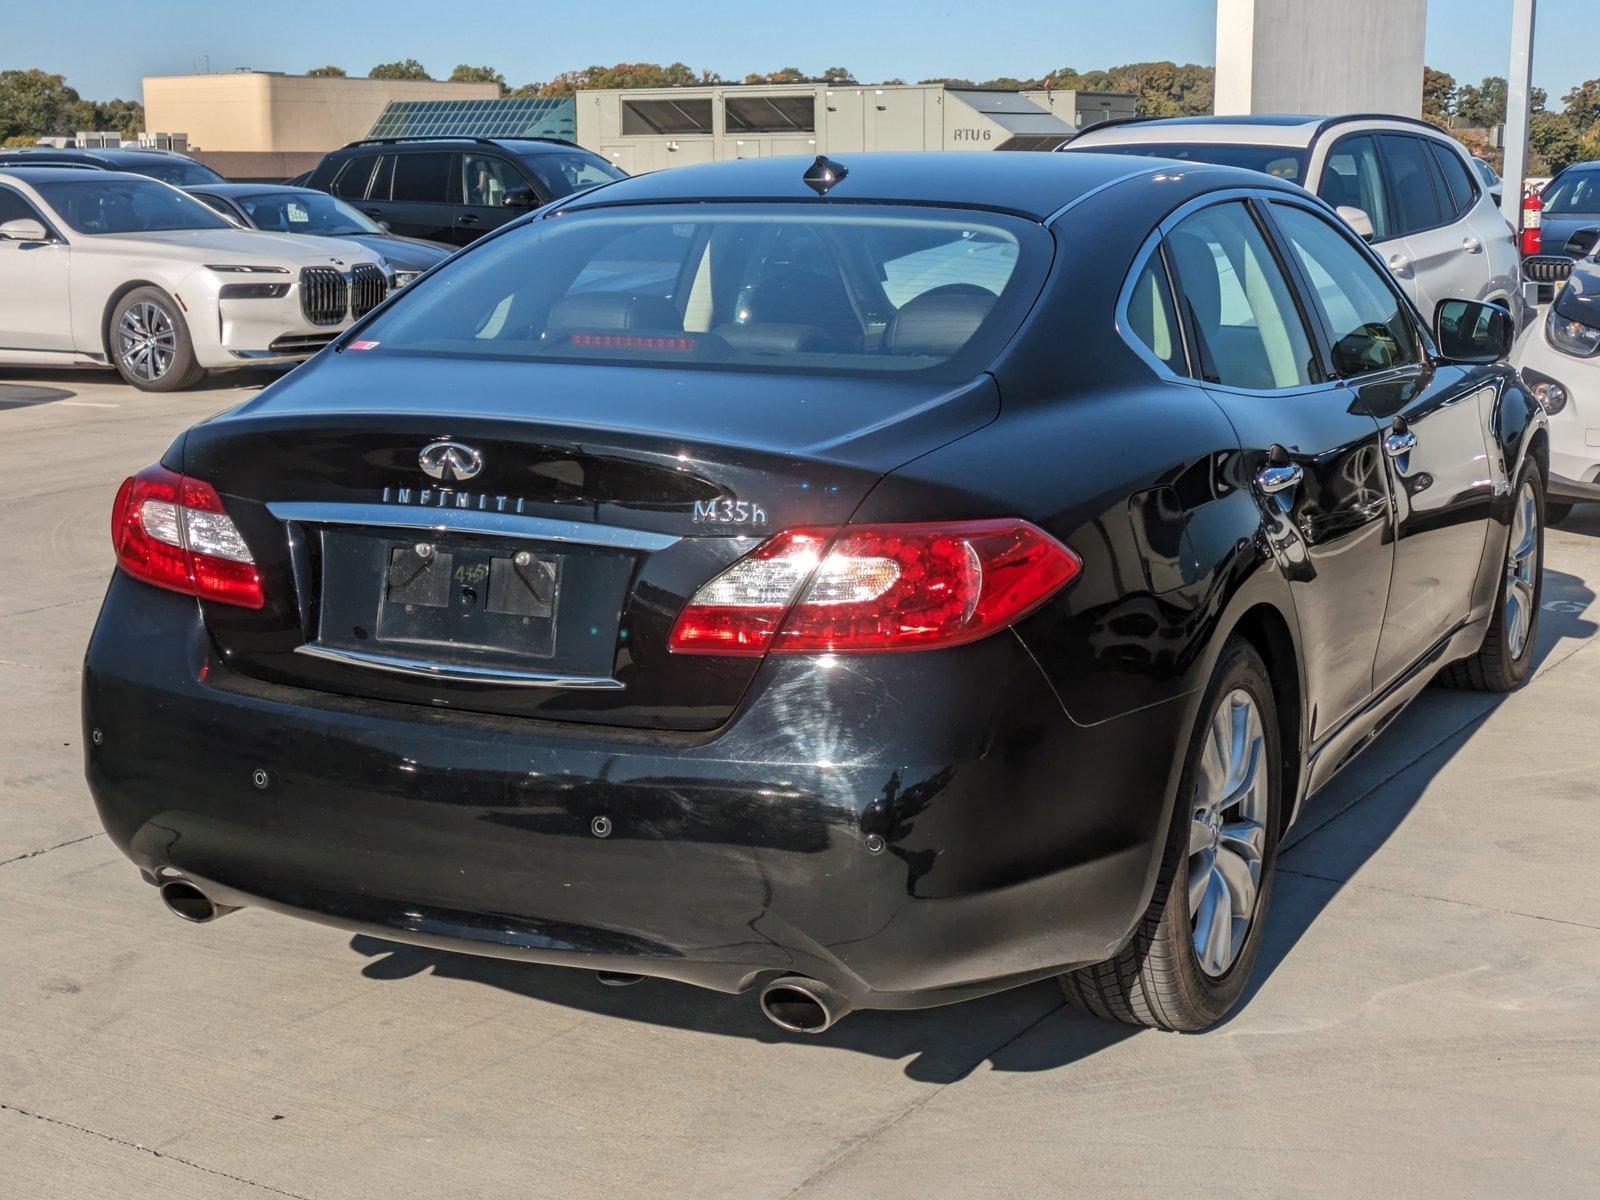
[[1157, 979], [172, 366], [1499, 665], [1556, 511]]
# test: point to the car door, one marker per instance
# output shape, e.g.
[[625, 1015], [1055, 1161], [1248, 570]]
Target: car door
[[1441, 258], [35, 313], [486, 181], [417, 193], [1310, 453], [1434, 420]]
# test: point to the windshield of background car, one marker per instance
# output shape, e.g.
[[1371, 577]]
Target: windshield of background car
[[785, 287], [180, 172], [1279, 161], [565, 172], [1576, 191], [104, 205], [304, 212]]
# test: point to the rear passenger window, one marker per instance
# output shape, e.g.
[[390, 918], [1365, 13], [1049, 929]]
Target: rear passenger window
[[1458, 189], [1352, 177], [1152, 317], [1411, 178], [1247, 328], [426, 178], [351, 179]]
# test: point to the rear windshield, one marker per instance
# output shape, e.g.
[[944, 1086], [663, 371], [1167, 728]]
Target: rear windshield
[[1575, 191], [182, 172], [101, 204], [792, 287], [1270, 160]]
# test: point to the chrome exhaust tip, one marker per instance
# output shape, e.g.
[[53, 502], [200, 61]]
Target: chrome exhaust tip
[[800, 1005], [183, 899]]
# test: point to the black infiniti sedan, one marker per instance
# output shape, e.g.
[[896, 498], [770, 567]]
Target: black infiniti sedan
[[282, 209], [867, 584]]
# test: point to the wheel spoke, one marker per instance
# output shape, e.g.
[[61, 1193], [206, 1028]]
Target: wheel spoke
[[1199, 836], [1246, 839], [1241, 883], [1213, 934], [1199, 878]]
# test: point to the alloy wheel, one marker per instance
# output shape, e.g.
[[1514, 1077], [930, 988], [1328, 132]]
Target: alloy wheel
[[147, 341], [1227, 832], [1522, 566]]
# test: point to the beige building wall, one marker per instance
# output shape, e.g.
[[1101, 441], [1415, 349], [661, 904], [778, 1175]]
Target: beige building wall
[[263, 112]]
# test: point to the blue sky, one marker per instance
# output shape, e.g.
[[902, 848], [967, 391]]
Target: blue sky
[[104, 51]]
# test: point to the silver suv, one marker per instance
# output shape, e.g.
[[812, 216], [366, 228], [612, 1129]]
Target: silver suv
[[1402, 184]]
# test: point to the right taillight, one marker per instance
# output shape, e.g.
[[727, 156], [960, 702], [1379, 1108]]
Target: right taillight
[[876, 588], [171, 530], [1532, 224]]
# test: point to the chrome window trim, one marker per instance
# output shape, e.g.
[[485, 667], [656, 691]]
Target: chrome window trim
[[467, 520], [458, 672]]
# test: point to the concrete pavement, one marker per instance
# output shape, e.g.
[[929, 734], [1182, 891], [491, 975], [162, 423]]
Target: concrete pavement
[[1426, 1020]]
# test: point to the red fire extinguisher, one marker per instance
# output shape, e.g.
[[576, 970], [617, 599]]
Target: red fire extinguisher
[[1532, 220]]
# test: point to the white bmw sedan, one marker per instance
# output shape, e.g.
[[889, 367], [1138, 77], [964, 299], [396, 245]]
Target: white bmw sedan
[[103, 268], [1559, 358]]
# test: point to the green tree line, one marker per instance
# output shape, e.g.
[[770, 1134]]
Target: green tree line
[[1557, 138]]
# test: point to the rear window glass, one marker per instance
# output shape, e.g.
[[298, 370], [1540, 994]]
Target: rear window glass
[[182, 172], [1574, 191], [777, 287], [565, 172], [1280, 161]]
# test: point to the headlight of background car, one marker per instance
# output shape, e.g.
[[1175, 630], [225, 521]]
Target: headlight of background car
[[1573, 326]]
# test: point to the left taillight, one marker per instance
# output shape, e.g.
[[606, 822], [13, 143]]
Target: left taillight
[[171, 530], [876, 588]]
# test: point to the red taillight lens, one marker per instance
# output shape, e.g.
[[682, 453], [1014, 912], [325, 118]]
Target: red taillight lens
[[172, 531], [1532, 224], [876, 587]]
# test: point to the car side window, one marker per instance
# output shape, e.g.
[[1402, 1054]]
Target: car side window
[[351, 179], [1247, 329], [1153, 317], [1411, 179], [488, 178], [1367, 322], [427, 178], [1458, 189], [14, 208], [1352, 177]]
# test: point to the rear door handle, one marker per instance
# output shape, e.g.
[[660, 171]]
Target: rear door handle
[[1472, 245], [374, 213], [1399, 263], [1273, 480], [1399, 443], [467, 219]]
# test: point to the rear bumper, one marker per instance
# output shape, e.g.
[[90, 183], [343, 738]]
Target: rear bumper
[[1572, 490], [1014, 843]]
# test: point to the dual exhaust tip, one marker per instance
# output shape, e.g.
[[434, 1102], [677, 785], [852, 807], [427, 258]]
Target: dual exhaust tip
[[793, 1002]]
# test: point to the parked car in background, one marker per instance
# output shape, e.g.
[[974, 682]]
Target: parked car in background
[[166, 165], [1570, 212], [1405, 187], [1559, 358], [692, 583], [304, 211], [103, 268], [455, 190]]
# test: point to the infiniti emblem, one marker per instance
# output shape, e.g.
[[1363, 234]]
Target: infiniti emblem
[[449, 462]]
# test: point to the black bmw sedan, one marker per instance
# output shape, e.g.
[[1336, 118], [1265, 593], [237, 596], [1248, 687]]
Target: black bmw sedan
[[283, 209], [867, 584]]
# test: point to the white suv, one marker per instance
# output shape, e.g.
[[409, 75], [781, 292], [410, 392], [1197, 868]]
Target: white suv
[[1404, 186], [102, 268]]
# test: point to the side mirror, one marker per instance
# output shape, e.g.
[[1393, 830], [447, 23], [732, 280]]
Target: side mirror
[[24, 229], [1469, 331], [1358, 220], [520, 197], [1582, 243]]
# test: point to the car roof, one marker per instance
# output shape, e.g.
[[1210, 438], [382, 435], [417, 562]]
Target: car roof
[[1268, 129], [50, 174], [520, 145], [1029, 185]]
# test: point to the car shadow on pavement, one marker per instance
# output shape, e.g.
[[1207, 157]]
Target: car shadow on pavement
[[26, 395], [944, 1045]]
